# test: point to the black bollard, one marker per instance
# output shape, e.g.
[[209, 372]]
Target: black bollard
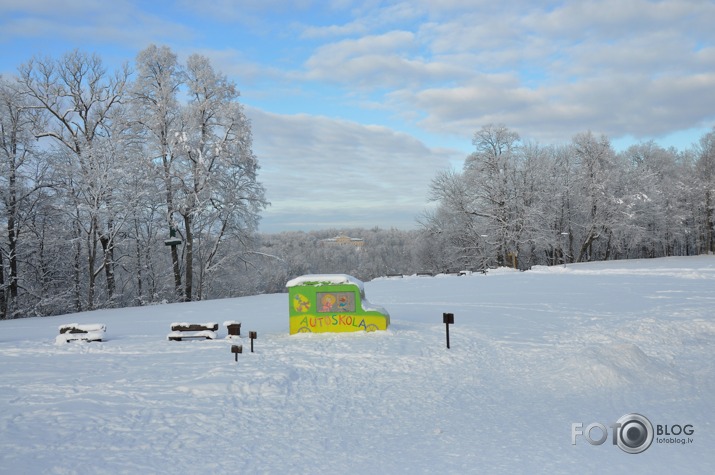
[[252, 336], [447, 318]]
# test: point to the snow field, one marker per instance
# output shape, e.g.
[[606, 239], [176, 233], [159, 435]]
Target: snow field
[[531, 353]]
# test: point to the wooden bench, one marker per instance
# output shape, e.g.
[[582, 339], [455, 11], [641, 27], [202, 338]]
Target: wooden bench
[[182, 331], [86, 332]]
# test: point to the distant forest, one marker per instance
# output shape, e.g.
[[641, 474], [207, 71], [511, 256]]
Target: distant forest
[[139, 186], [524, 204]]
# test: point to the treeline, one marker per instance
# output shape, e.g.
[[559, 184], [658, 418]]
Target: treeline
[[102, 171], [287, 255], [98, 168], [519, 203]]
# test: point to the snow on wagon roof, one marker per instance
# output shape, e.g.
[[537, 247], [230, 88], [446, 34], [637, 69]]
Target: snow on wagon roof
[[325, 279]]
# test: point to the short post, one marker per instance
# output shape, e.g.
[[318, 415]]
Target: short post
[[447, 318], [252, 336], [236, 349]]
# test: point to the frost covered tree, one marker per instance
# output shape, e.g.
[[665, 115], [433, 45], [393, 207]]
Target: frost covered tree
[[599, 200], [155, 91], [492, 213], [705, 184], [491, 172], [198, 146], [654, 200], [457, 226], [574, 202], [79, 97], [539, 213], [95, 169], [22, 180]]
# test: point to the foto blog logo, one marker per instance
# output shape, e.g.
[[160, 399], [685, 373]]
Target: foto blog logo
[[633, 433]]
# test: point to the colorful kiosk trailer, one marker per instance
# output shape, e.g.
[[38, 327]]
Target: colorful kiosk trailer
[[332, 303]]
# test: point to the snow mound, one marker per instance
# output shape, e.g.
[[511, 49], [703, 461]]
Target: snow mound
[[611, 365]]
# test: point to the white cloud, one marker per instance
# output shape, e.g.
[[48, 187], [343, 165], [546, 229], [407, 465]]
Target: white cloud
[[313, 167], [547, 69], [232, 11], [634, 68], [392, 60], [87, 24], [368, 20], [616, 105]]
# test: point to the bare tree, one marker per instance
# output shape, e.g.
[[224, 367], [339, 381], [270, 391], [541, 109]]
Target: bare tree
[[705, 179], [79, 97], [574, 202], [217, 193], [22, 176], [491, 172], [157, 112], [598, 200]]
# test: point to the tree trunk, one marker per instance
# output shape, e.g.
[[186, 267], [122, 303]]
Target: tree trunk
[[177, 274], [77, 268], [586, 245], [108, 263], [9, 286], [709, 234], [189, 249], [138, 257], [3, 301], [91, 274], [176, 266]]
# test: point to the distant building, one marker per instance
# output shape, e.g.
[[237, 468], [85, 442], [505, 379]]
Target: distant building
[[343, 240]]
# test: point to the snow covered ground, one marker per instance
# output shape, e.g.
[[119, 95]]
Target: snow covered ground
[[531, 354]]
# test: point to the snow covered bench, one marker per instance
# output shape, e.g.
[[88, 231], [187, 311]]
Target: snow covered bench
[[75, 331], [181, 331]]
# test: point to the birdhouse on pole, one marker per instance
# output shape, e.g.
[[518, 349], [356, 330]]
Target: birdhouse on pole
[[173, 240]]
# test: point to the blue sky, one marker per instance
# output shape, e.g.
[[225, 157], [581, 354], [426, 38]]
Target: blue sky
[[356, 105]]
